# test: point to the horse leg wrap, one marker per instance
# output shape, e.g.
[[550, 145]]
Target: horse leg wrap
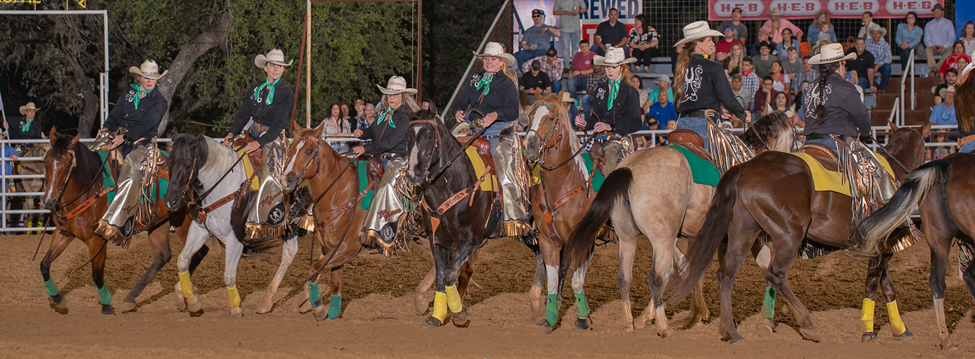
[[453, 299], [439, 306], [582, 305], [104, 296], [52, 289], [233, 296], [335, 306], [866, 316], [895, 319], [185, 284], [768, 305], [314, 297], [551, 308]]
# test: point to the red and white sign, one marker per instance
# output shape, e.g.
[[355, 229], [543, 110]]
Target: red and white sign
[[806, 9]]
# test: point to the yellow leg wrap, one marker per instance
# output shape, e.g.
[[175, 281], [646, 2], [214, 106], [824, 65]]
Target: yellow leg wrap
[[895, 319], [185, 284], [440, 306], [453, 299], [866, 316], [233, 296]]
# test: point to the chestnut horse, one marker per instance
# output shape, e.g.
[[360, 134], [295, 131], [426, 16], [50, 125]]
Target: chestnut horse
[[774, 193], [74, 180]]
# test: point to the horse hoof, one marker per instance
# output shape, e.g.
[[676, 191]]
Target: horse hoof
[[583, 323], [869, 338], [108, 310], [546, 326], [906, 335], [735, 338], [946, 345], [194, 305], [432, 322], [421, 305], [809, 334], [665, 333], [264, 309], [320, 313], [59, 303], [237, 312], [767, 324], [305, 307], [641, 322], [628, 329], [461, 319]]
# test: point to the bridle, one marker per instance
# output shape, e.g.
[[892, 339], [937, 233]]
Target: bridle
[[558, 141]]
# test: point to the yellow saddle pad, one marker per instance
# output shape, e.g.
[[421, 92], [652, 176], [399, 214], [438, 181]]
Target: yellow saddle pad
[[249, 170], [490, 182], [832, 181]]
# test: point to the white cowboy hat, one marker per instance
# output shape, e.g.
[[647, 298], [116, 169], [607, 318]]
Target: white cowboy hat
[[28, 106], [149, 70], [969, 67], [876, 27], [614, 57], [775, 12], [946, 90], [274, 57], [494, 49], [566, 97], [396, 85], [697, 30], [831, 53]]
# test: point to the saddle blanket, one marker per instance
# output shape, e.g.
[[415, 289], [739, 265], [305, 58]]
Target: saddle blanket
[[108, 181], [362, 169], [702, 170], [249, 170], [490, 183], [597, 177], [832, 181]]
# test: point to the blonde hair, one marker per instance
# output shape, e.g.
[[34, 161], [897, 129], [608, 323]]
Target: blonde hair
[[408, 100]]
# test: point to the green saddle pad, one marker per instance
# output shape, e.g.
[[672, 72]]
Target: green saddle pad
[[108, 181], [702, 170], [361, 168], [597, 177]]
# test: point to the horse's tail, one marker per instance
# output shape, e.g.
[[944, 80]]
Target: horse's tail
[[872, 231], [713, 231], [615, 189]]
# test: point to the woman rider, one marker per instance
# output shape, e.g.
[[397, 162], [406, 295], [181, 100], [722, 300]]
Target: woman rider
[[700, 84], [494, 92], [263, 115], [837, 111], [26, 129], [965, 109], [388, 135], [132, 123], [616, 111]]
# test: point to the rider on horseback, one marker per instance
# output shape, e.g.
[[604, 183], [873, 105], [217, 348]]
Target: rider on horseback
[[263, 115]]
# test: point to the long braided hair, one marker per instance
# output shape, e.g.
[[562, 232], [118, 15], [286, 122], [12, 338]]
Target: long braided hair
[[679, 76], [824, 71]]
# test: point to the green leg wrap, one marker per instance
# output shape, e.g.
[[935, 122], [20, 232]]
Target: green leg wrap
[[104, 296], [335, 306], [552, 309], [768, 306], [52, 289], [314, 297], [582, 305]]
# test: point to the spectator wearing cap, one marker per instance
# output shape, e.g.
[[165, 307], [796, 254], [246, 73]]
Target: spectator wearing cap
[[536, 80], [868, 24], [944, 113], [536, 40], [908, 36], [611, 33], [882, 57], [551, 65], [570, 26], [812, 36], [775, 24], [939, 34], [863, 64], [663, 85], [763, 36], [581, 68], [724, 46], [763, 61], [740, 30]]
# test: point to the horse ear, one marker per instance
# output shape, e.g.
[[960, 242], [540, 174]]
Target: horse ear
[[75, 140], [792, 111], [926, 129], [54, 135], [893, 126], [538, 95], [294, 127], [768, 108], [319, 129]]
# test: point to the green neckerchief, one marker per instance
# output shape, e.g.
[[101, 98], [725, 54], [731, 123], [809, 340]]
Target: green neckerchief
[[389, 113], [614, 89], [27, 125], [138, 96], [270, 91], [485, 82]]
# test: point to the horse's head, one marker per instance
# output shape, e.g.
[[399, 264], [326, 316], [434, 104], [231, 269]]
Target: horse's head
[[189, 154], [549, 123], [58, 164], [906, 146], [772, 132], [424, 139], [304, 156]]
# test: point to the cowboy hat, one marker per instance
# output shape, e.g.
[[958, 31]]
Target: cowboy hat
[[149, 70], [969, 67], [876, 27], [775, 12], [697, 30], [494, 49], [831, 53], [946, 90], [566, 97], [28, 106], [396, 85], [614, 57], [275, 57]]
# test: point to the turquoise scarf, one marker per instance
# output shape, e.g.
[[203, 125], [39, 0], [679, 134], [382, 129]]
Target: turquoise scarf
[[138, 96], [27, 125], [270, 91], [485, 82], [388, 116]]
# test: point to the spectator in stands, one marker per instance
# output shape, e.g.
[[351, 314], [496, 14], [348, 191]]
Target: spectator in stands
[[592, 82], [821, 21], [733, 63], [360, 112], [644, 42], [807, 74], [867, 25], [637, 83], [863, 65], [951, 76], [764, 97], [944, 113], [963, 62], [346, 116], [776, 24], [662, 109], [782, 105], [723, 47], [335, 125], [939, 34], [764, 36], [551, 65], [663, 85], [750, 81], [536, 40], [7, 151], [25, 128], [570, 26], [787, 41], [674, 55], [611, 33], [908, 37], [360, 106], [968, 37], [536, 80], [741, 94], [791, 63], [780, 81], [580, 70], [958, 52], [741, 31], [570, 107], [763, 62], [370, 115], [882, 56]]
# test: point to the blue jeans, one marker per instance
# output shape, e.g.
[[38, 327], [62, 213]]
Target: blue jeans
[[884, 77], [556, 86], [491, 134], [586, 104], [575, 84], [826, 141], [905, 54], [697, 124], [528, 54], [570, 45], [864, 83], [968, 147]]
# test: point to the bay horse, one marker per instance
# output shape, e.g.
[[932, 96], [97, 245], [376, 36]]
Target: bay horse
[[652, 192], [77, 197], [774, 193], [942, 190]]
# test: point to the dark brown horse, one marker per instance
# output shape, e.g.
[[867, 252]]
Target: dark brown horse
[[74, 180], [774, 193]]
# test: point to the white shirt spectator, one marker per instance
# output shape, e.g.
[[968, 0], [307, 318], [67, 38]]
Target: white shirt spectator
[[939, 33]]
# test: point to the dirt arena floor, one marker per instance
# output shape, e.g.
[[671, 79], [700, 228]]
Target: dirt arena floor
[[379, 321]]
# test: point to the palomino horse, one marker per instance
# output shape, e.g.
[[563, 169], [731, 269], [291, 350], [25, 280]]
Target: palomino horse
[[652, 192], [774, 193], [942, 190], [199, 162], [76, 196], [31, 185]]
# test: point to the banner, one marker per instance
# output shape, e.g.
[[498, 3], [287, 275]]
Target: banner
[[597, 11], [719, 10]]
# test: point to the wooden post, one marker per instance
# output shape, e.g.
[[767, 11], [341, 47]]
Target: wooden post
[[308, 67], [419, 51]]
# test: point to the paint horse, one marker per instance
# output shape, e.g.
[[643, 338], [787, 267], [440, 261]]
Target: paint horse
[[77, 197], [774, 193], [653, 192]]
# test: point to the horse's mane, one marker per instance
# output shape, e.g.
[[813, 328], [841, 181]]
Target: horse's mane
[[87, 163], [766, 127], [556, 102]]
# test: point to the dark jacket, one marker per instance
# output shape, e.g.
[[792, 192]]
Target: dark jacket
[[141, 122], [275, 116], [844, 115], [503, 97], [34, 132], [386, 139], [626, 116], [707, 87]]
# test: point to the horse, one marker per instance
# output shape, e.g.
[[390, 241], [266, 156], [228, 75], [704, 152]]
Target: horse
[[76, 196], [942, 191], [199, 162], [670, 205], [774, 193], [30, 185]]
